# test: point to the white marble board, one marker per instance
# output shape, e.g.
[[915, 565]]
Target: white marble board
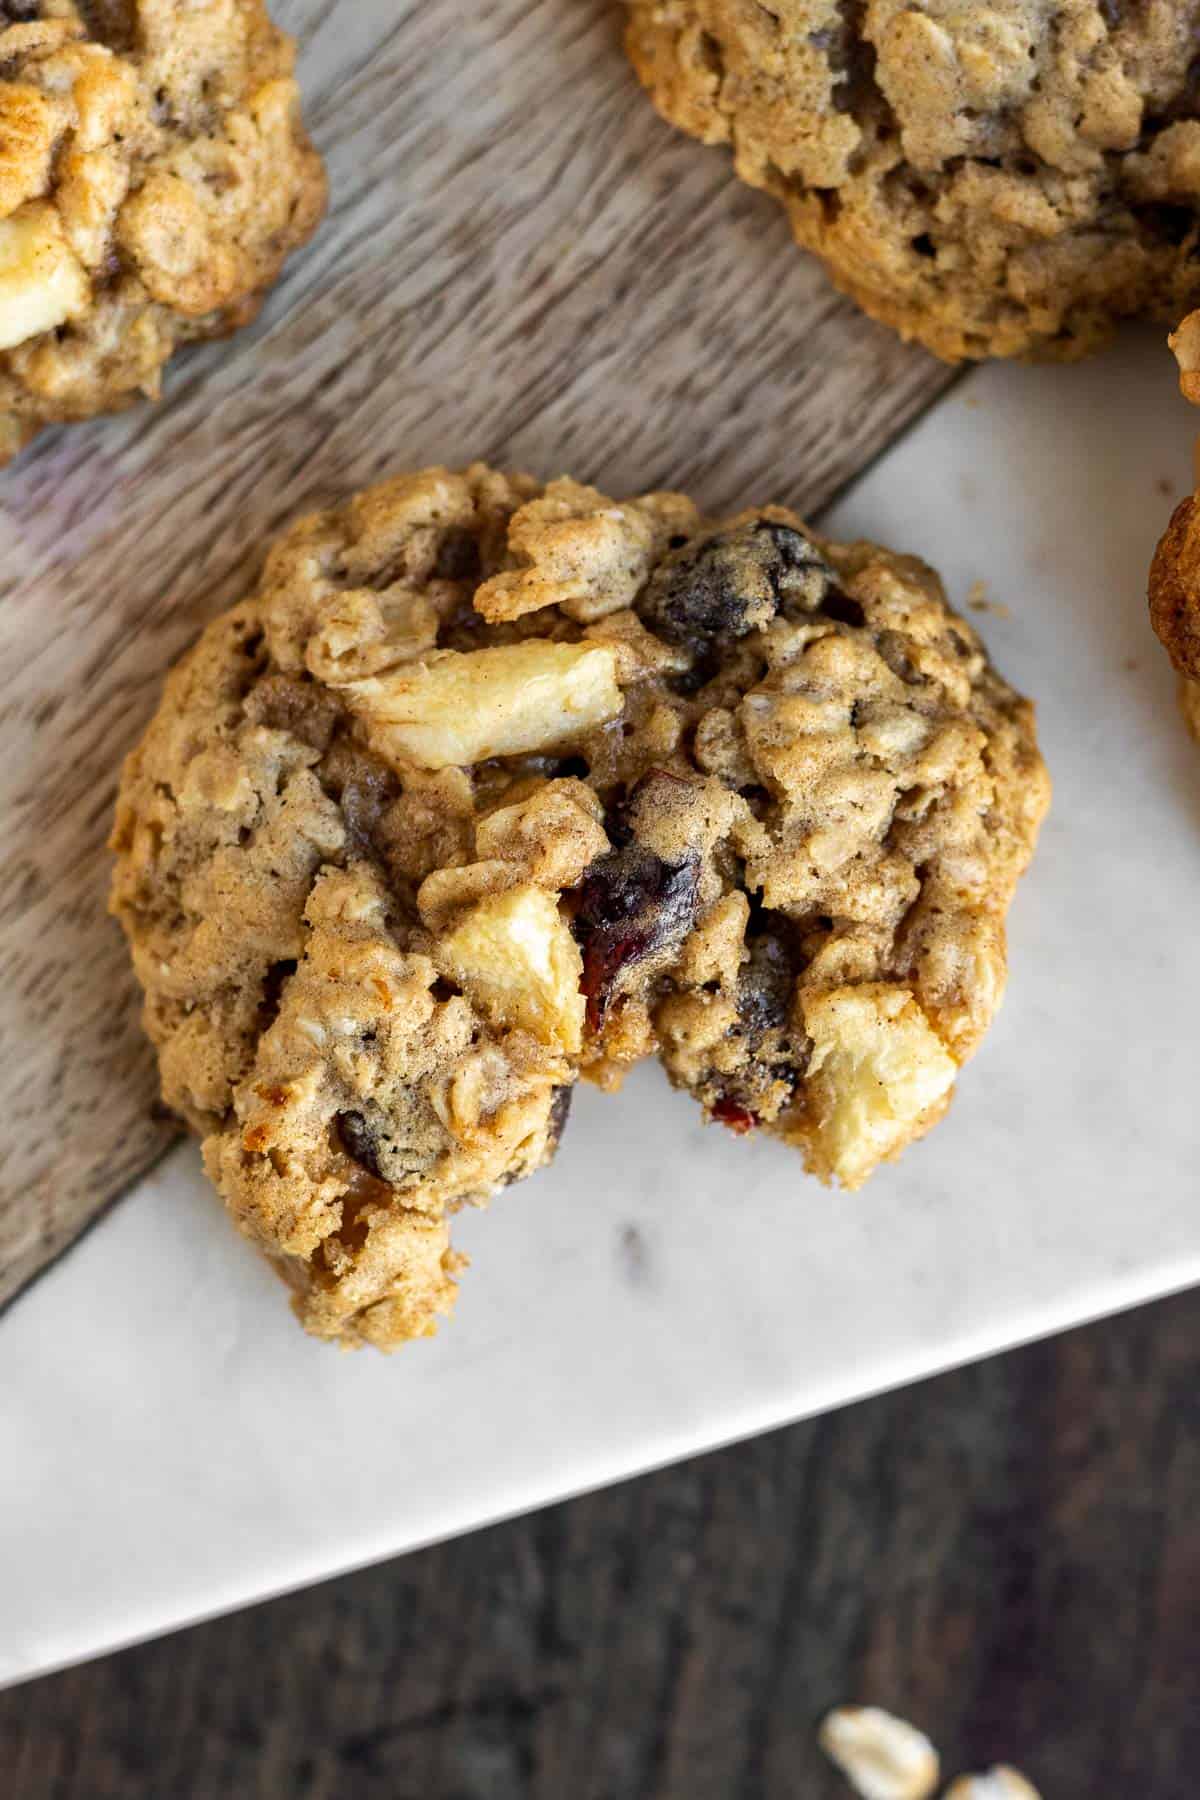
[[171, 1444]]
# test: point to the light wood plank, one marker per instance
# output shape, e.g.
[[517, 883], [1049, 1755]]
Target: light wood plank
[[521, 263]]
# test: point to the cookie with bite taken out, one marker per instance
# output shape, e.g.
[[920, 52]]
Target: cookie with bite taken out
[[492, 784]]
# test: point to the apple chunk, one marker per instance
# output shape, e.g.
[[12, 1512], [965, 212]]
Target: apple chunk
[[458, 707], [42, 281], [514, 956], [878, 1075]]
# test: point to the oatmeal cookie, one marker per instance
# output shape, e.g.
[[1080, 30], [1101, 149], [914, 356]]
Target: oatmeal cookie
[[993, 180], [154, 175], [1175, 572], [490, 785]]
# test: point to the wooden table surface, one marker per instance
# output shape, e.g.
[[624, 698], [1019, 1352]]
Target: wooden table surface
[[1008, 1555], [521, 263]]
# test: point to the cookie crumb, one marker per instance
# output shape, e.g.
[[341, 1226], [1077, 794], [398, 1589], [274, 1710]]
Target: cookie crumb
[[977, 600]]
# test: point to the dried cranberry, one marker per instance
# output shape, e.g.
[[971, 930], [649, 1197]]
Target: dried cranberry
[[737, 1117], [631, 905]]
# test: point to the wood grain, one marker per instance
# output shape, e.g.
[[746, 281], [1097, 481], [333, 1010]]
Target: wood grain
[[521, 263], [1008, 1555]]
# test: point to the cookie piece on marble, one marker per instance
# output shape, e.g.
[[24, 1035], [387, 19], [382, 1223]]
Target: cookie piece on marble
[[991, 180], [493, 784], [154, 175]]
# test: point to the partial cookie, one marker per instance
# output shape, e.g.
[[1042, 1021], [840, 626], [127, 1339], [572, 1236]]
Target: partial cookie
[[993, 180], [1175, 572], [493, 784], [154, 175]]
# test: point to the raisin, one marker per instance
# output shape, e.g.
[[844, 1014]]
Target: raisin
[[772, 1054], [631, 905], [109, 22], [765, 983], [725, 585], [360, 1142], [19, 12], [714, 590], [893, 648]]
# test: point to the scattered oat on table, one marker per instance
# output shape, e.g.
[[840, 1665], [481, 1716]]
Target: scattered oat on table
[[882, 1757], [1000, 1783]]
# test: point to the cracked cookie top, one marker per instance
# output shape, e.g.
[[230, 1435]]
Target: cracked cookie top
[[991, 179], [154, 174], [492, 784]]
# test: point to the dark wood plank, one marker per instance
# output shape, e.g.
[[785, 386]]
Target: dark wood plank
[[521, 263], [1008, 1555]]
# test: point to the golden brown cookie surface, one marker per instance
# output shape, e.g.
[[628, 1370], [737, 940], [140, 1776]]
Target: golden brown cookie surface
[[154, 175], [491, 785], [991, 179], [1174, 585]]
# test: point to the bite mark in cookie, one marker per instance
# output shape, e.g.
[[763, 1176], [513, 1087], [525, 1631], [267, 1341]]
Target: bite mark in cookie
[[396, 872]]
